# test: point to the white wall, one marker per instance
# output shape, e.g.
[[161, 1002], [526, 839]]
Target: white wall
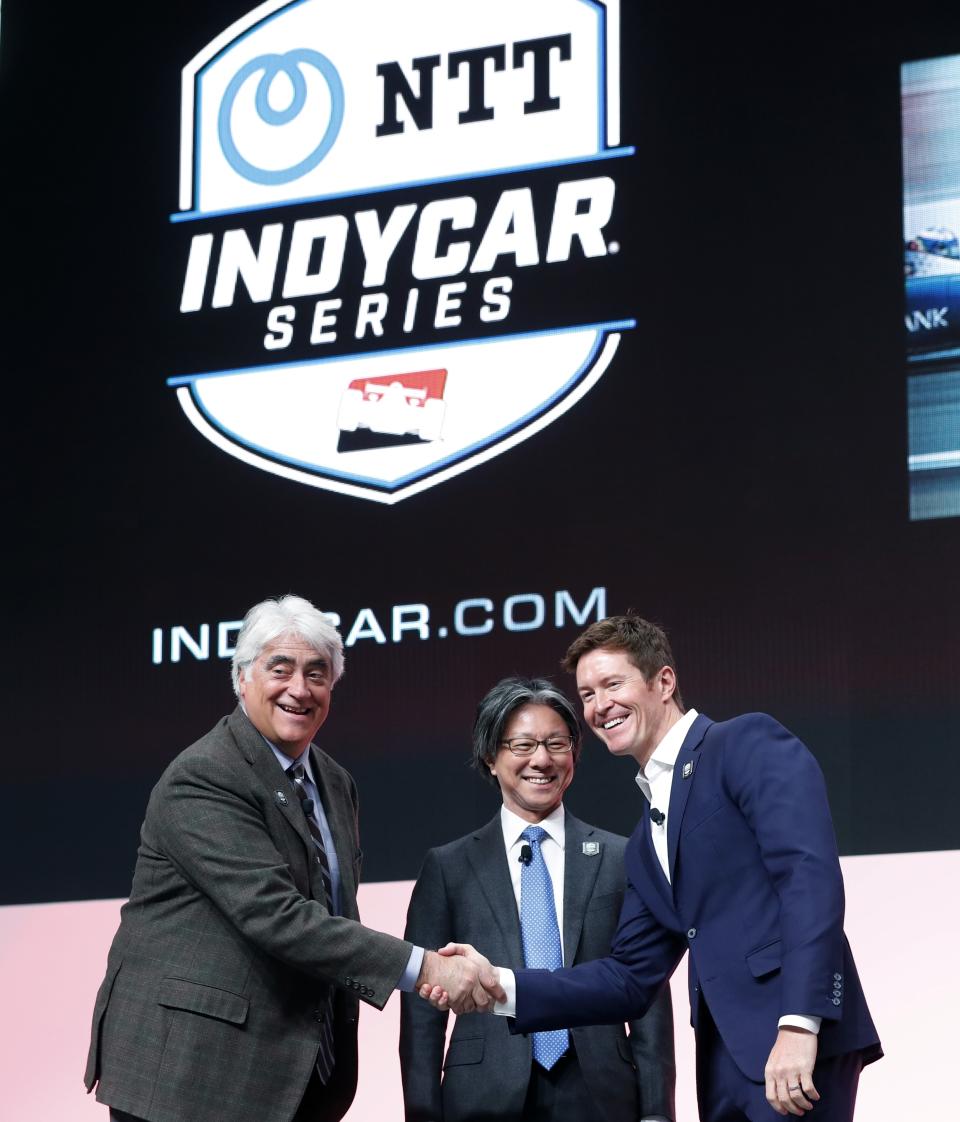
[[903, 913]]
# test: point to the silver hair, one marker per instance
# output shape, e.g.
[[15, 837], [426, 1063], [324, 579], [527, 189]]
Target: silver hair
[[285, 615], [499, 705]]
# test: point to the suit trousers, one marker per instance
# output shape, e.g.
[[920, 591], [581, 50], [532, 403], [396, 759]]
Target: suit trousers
[[725, 1094], [560, 1094]]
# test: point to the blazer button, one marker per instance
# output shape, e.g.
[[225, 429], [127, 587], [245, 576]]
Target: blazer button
[[838, 977], [836, 1001], [692, 933]]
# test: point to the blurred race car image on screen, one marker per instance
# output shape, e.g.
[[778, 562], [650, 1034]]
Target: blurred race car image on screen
[[930, 99]]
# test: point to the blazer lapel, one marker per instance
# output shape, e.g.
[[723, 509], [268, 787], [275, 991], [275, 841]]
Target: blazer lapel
[[488, 861], [651, 863], [684, 771], [579, 876], [268, 771], [339, 811]]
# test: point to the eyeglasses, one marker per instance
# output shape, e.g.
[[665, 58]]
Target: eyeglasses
[[526, 745]]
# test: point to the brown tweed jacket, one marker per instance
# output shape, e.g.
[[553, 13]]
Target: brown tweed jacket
[[224, 953]]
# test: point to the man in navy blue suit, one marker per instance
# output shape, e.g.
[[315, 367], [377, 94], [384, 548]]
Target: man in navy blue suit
[[734, 860]]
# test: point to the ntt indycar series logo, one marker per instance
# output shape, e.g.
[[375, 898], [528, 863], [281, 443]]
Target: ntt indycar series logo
[[398, 233]]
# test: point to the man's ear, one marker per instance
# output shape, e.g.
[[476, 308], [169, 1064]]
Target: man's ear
[[668, 682]]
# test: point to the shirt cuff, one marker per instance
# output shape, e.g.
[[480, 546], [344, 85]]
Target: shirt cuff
[[796, 1020], [408, 979], [507, 1008]]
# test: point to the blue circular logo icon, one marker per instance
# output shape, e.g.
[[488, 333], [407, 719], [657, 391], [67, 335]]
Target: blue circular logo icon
[[272, 66]]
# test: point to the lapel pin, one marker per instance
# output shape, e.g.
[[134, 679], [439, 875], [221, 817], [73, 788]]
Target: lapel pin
[[281, 798], [591, 849], [688, 769]]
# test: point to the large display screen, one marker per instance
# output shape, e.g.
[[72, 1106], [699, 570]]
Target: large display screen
[[472, 324], [931, 219]]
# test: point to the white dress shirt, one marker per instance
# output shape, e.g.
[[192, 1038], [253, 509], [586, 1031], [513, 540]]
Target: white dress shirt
[[551, 847], [656, 779]]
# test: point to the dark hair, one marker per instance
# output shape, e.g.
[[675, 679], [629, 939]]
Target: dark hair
[[498, 706], [644, 643]]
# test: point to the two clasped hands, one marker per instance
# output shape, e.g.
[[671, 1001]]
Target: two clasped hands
[[459, 979]]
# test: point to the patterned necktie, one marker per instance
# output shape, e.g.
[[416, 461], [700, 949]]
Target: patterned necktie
[[296, 773], [541, 937], [324, 1014]]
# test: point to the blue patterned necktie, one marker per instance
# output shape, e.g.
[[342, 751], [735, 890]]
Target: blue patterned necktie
[[541, 937]]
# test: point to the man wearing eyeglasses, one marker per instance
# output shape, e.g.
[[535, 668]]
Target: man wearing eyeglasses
[[734, 860], [534, 887]]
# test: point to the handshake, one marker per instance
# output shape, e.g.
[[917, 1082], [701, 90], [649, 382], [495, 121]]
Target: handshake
[[458, 978]]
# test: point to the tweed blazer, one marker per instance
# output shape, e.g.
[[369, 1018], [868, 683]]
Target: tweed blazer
[[464, 893], [218, 973]]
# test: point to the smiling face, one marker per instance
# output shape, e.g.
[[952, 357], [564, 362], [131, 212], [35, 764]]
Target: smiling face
[[630, 714], [533, 787], [286, 693]]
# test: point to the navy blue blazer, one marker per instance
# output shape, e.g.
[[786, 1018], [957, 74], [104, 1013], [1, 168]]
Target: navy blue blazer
[[756, 896]]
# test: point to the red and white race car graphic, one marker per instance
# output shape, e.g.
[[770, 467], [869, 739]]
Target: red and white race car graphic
[[396, 404]]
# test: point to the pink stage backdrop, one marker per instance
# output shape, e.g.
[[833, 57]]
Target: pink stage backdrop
[[898, 908]]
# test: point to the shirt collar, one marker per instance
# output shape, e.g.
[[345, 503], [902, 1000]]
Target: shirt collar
[[513, 826], [282, 758], [666, 752], [286, 762]]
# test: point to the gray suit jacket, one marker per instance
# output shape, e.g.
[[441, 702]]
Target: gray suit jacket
[[225, 950], [464, 893]]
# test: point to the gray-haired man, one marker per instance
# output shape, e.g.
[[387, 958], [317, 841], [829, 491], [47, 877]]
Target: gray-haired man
[[233, 982]]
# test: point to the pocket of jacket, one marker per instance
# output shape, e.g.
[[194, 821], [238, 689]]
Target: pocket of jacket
[[605, 900], [765, 959], [623, 1047], [194, 997], [463, 1052]]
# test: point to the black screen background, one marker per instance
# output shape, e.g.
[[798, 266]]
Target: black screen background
[[738, 474]]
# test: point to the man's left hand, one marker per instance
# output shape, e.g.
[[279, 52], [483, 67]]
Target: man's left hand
[[789, 1071]]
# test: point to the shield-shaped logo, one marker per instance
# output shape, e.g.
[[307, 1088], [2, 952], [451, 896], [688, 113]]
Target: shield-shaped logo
[[381, 206]]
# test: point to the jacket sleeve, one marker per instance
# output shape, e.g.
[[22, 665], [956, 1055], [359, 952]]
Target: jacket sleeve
[[204, 818], [422, 1028], [605, 991], [781, 793], [651, 1042]]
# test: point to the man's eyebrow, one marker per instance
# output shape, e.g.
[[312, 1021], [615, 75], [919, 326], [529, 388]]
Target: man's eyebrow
[[285, 659]]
